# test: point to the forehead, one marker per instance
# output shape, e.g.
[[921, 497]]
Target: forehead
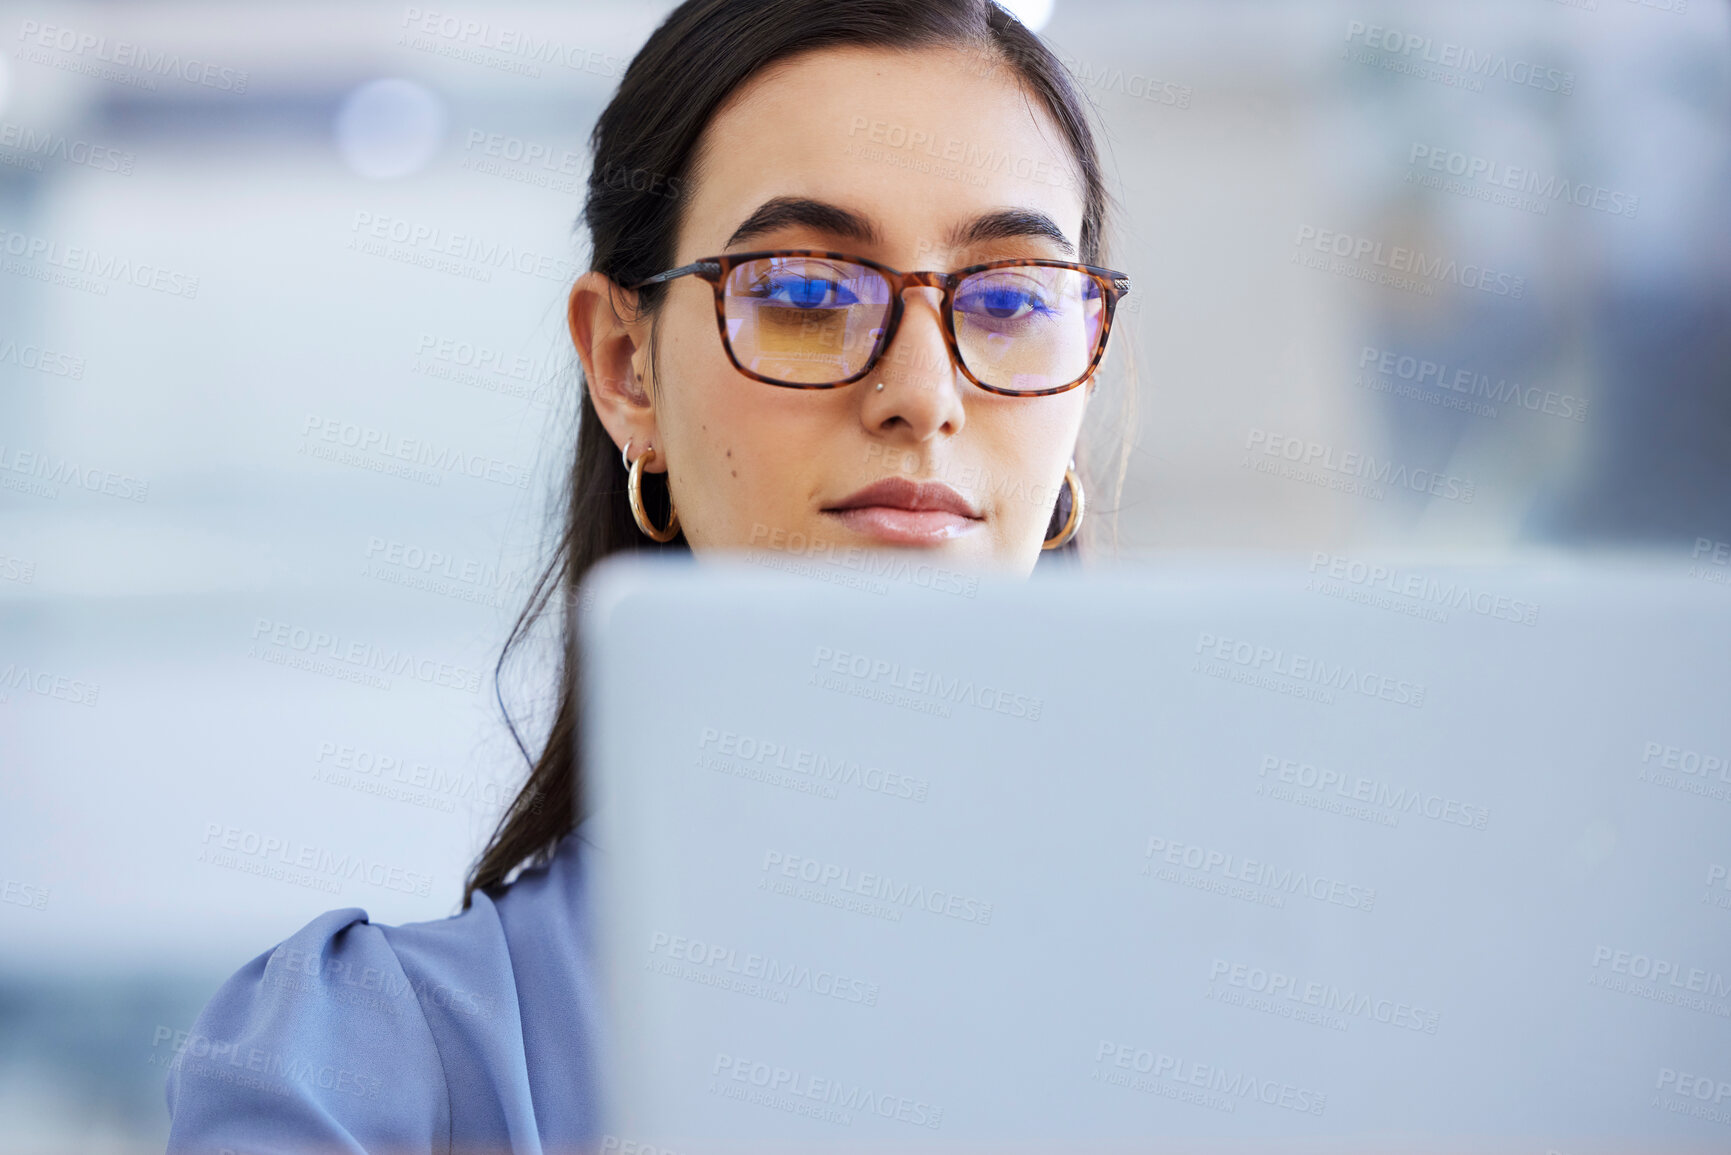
[[917, 141]]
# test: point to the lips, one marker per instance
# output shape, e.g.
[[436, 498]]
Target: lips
[[913, 496], [896, 511]]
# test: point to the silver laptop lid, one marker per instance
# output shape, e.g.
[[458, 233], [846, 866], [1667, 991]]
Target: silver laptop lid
[[1163, 859]]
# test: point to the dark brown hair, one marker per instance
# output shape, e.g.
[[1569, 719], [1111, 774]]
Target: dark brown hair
[[687, 69]]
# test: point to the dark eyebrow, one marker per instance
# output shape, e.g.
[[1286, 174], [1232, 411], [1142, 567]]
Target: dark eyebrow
[[1007, 224], [780, 212]]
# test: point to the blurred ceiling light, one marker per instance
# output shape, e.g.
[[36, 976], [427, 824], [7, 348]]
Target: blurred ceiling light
[[390, 128], [1032, 13]]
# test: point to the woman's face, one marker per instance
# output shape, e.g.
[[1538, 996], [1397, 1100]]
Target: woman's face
[[876, 154]]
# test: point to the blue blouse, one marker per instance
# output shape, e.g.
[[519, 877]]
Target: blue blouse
[[470, 1033]]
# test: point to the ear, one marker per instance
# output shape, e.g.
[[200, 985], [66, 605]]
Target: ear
[[613, 345]]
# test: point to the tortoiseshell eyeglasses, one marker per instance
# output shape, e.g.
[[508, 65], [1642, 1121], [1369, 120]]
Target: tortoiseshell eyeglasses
[[811, 319]]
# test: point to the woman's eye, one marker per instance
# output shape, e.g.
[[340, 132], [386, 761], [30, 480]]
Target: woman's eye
[[804, 292], [1001, 302]]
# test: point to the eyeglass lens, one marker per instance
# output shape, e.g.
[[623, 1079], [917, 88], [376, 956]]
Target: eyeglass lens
[[816, 320]]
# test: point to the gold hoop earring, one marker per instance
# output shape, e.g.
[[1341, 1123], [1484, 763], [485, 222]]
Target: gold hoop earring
[[1074, 521], [634, 489]]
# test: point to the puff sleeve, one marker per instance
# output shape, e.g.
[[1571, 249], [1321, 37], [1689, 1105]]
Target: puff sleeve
[[350, 1037], [463, 1035]]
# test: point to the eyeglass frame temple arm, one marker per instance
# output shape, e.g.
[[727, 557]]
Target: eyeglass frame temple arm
[[706, 269]]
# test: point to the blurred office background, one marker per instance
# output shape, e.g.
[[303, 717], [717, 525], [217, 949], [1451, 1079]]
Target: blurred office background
[[192, 292]]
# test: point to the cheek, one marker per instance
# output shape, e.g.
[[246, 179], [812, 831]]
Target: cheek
[[1032, 446], [748, 454]]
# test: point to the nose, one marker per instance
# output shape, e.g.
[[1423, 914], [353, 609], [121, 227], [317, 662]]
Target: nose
[[918, 351], [920, 398]]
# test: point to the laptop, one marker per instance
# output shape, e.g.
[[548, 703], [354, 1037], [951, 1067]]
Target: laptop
[[1330, 854]]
